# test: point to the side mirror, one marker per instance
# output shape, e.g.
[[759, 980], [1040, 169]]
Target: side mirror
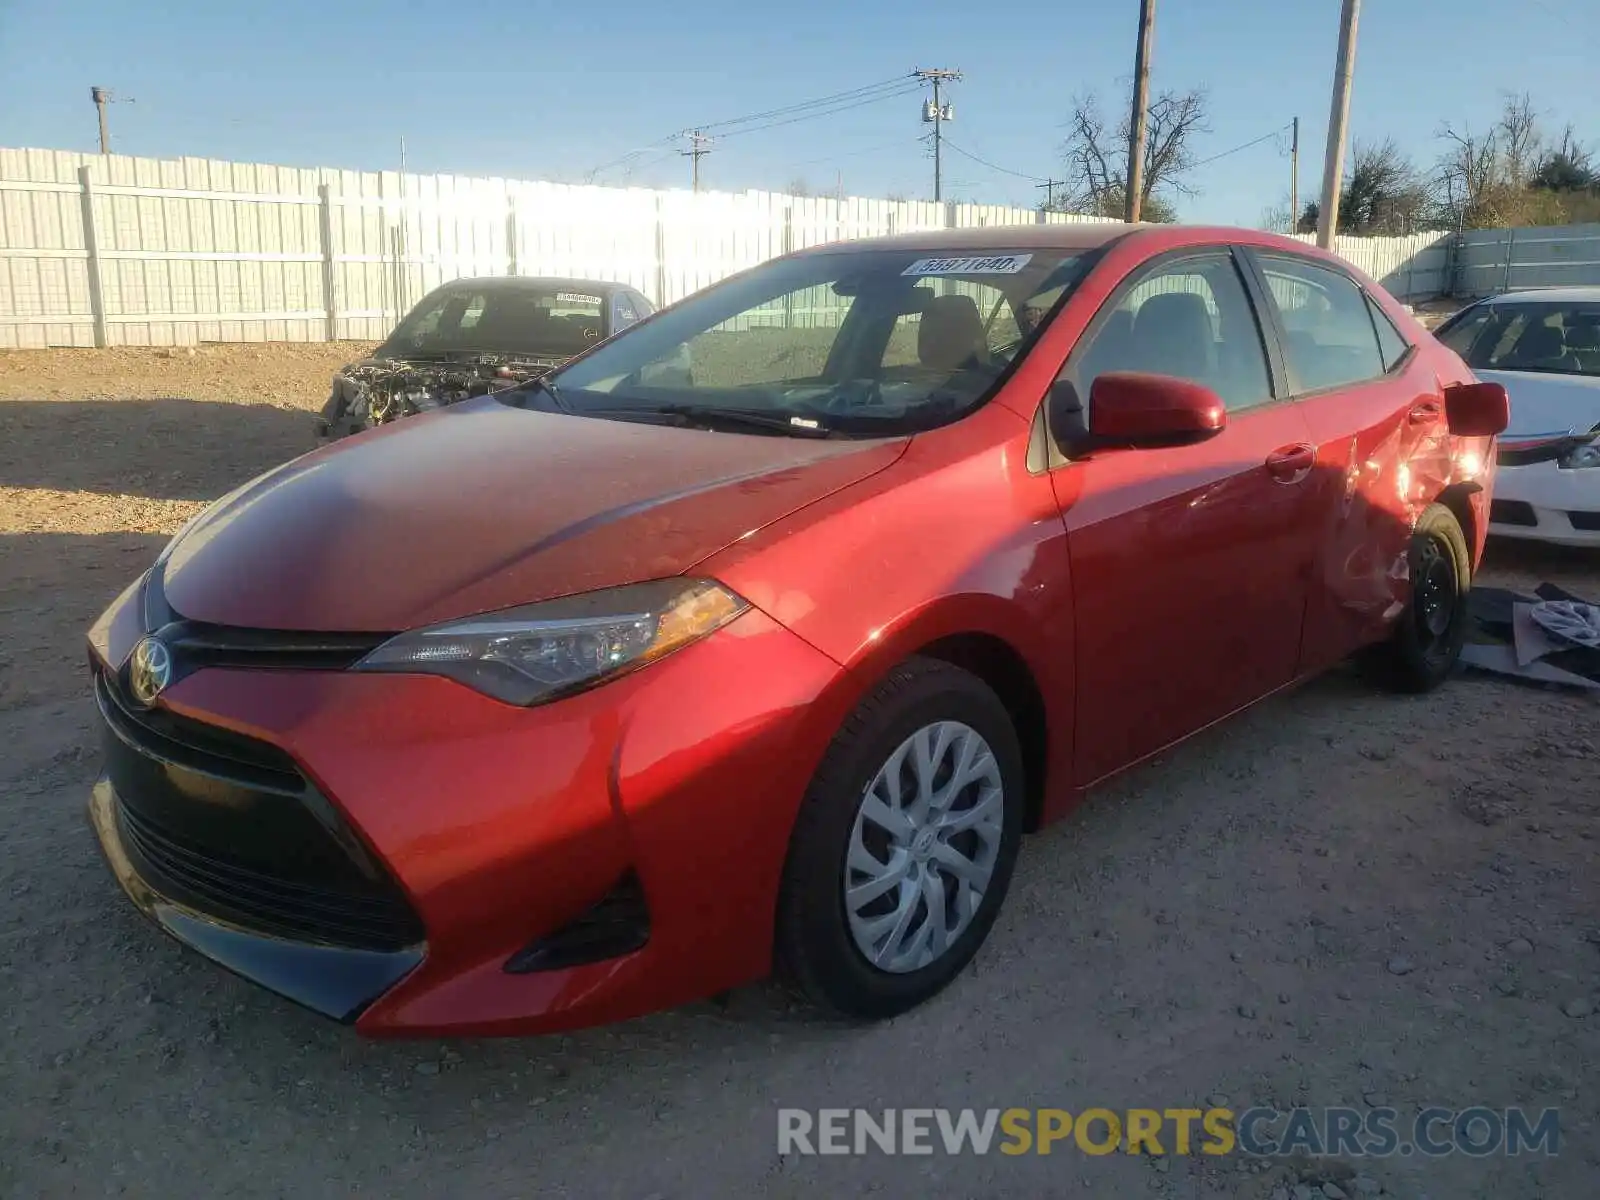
[[1140, 411], [1477, 409]]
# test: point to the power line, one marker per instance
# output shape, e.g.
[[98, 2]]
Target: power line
[[633, 154], [843, 154], [1278, 132], [983, 162], [789, 114], [826, 112], [850, 94]]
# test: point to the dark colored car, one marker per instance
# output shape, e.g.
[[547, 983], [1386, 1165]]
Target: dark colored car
[[471, 337], [759, 634]]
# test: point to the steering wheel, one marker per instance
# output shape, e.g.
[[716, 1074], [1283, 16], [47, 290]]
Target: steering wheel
[[854, 395]]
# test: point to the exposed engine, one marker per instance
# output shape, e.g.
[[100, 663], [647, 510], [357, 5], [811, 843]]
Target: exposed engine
[[376, 391]]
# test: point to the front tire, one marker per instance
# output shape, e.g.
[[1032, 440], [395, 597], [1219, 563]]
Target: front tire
[[1427, 642], [904, 846]]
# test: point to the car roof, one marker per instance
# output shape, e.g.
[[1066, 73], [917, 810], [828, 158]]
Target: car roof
[[1555, 295], [1077, 236], [496, 282], [1085, 235]]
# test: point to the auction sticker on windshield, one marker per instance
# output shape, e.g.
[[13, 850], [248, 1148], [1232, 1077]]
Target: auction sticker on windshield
[[1001, 264], [576, 298]]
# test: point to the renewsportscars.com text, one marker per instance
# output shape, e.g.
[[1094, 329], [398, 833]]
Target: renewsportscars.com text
[[1257, 1132]]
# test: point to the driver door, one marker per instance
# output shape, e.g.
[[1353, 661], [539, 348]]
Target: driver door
[[1190, 564]]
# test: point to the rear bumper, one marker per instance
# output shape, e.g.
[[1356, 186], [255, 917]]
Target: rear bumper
[[334, 981]]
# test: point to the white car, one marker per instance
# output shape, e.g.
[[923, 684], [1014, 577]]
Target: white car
[[1544, 346]]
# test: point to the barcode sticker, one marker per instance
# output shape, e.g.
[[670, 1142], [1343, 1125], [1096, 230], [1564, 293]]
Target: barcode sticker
[[999, 264]]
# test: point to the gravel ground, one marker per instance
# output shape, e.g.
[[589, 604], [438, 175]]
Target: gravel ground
[[1339, 898]]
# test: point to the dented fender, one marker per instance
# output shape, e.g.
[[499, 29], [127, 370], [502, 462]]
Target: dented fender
[[1382, 478]]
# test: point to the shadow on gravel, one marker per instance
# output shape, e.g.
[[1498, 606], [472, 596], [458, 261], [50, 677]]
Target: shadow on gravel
[[162, 449], [55, 585], [1536, 562]]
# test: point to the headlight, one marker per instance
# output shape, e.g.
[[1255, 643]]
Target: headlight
[[540, 652], [1583, 456]]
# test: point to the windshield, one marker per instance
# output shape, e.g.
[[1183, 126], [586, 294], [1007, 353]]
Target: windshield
[[866, 343], [544, 319], [1550, 336]]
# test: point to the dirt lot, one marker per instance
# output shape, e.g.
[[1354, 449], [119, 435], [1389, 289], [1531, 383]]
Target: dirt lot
[[1340, 898]]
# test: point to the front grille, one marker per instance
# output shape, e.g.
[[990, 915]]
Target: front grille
[[231, 827], [1512, 512], [1589, 522], [220, 887], [207, 749], [197, 644]]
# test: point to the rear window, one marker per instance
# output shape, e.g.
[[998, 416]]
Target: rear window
[[1330, 337], [538, 319]]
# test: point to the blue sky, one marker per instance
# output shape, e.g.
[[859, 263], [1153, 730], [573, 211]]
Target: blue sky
[[538, 90]]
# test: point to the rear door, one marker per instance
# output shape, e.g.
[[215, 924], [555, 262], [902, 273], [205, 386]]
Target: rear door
[[1189, 564], [1376, 414]]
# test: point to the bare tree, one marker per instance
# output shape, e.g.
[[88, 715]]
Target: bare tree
[[1276, 218], [798, 187], [1384, 194], [1096, 156], [1488, 179]]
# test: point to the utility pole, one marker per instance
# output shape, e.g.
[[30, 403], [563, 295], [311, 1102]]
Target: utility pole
[[1050, 186], [937, 113], [1338, 122], [699, 147], [1294, 178], [1141, 110], [101, 99]]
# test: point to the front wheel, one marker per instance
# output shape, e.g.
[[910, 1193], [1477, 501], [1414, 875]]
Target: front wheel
[[904, 846], [1427, 641]]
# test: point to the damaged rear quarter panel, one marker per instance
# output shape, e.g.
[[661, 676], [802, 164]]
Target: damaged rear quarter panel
[[1383, 467]]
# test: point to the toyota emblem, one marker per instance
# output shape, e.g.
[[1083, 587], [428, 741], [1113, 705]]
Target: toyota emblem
[[149, 670]]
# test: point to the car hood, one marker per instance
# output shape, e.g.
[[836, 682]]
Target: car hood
[[481, 507], [1544, 404]]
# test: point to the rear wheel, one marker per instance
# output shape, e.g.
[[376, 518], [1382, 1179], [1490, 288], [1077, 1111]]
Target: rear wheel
[[905, 845], [1428, 640]]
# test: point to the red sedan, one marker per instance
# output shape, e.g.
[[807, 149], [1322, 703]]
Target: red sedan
[[760, 633]]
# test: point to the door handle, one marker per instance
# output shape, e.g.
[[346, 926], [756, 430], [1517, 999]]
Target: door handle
[[1291, 464], [1425, 412]]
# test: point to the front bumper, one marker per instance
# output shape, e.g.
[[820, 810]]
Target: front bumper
[[338, 982], [503, 826], [1542, 502]]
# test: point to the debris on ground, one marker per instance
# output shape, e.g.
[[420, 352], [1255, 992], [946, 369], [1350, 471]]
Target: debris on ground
[[1551, 637]]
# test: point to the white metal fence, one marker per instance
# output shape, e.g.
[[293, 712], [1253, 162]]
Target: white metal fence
[[115, 250], [109, 250], [1513, 260]]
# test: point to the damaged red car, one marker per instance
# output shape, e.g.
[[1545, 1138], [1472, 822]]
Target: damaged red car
[[758, 635]]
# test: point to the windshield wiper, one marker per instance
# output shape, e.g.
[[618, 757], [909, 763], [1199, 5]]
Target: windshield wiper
[[719, 415], [538, 383]]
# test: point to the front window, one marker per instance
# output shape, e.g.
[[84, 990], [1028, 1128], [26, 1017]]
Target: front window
[[859, 342], [1546, 336], [547, 320]]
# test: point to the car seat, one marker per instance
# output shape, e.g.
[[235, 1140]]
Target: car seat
[[950, 335], [1172, 335]]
